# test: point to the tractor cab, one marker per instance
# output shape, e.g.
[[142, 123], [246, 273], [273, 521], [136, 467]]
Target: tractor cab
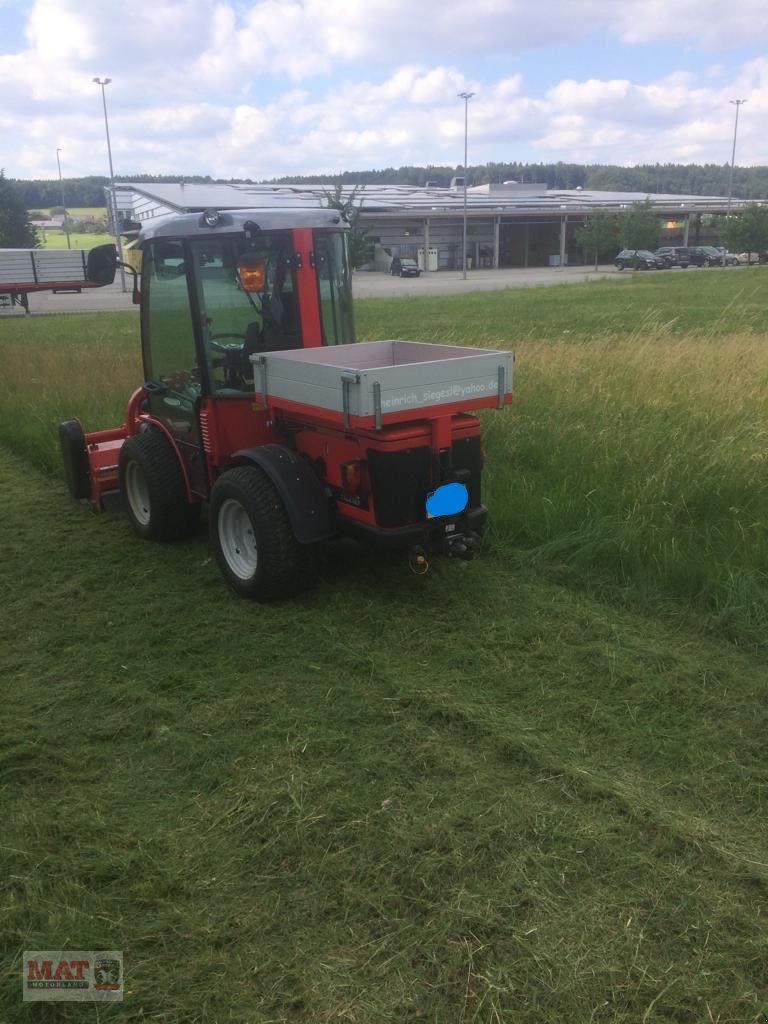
[[220, 287], [217, 288]]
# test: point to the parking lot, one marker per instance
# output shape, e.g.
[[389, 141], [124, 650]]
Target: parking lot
[[365, 285]]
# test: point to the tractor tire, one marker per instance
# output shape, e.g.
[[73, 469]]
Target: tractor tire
[[252, 539], [152, 481], [74, 455]]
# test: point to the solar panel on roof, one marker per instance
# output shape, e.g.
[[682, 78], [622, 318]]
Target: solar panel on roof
[[148, 200]]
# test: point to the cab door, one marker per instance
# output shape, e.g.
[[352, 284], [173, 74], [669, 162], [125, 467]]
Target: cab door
[[172, 372]]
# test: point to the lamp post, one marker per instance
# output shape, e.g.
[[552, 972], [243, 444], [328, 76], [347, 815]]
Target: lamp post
[[466, 96], [63, 204], [737, 104], [113, 208]]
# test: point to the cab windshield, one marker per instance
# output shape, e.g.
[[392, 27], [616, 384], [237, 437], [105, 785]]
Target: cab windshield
[[248, 304]]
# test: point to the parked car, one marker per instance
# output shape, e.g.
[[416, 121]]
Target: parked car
[[676, 255], [404, 267], [731, 259], [705, 256], [753, 257], [640, 259]]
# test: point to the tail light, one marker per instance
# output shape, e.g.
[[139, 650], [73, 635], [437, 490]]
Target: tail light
[[354, 482]]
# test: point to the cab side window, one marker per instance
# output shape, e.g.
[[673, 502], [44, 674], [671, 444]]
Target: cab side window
[[169, 340]]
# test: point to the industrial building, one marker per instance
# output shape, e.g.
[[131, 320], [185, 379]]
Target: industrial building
[[508, 225]]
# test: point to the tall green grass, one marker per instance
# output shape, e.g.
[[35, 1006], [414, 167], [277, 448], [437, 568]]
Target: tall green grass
[[642, 459], [637, 447], [634, 453], [56, 368]]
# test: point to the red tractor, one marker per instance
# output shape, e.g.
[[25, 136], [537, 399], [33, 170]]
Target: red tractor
[[257, 401]]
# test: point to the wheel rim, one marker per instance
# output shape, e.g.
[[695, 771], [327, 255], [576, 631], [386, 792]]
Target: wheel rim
[[237, 540], [137, 492]]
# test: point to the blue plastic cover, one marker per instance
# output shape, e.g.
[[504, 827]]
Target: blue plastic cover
[[447, 500]]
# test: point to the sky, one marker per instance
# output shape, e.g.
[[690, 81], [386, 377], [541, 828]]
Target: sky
[[288, 87]]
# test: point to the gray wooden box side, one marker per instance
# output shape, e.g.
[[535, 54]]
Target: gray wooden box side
[[25, 266], [410, 375]]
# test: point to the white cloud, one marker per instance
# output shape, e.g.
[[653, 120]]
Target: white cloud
[[707, 23], [258, 89]]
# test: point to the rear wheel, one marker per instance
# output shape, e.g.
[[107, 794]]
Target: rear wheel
[[74, 455], [252, 539], [152, 481]]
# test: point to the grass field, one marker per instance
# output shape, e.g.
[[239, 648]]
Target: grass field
[[526, 789], [58, 239]]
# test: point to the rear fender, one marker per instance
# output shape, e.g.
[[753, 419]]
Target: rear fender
[[103, 447], [309, 509]]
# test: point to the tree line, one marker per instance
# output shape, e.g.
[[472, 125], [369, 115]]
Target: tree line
[[678, 179]]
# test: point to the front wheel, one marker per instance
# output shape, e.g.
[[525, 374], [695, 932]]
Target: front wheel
[[152, 481], [252, 539], [619, 266]]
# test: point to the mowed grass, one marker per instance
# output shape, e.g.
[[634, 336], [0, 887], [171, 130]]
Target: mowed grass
[[479, 795], [470, 796]]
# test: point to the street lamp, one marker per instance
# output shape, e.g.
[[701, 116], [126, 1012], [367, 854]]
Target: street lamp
[[466, 96], [113, 211], [63, 204], [737, 104]]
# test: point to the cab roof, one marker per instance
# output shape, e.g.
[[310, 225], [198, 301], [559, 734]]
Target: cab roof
[[189, 225]]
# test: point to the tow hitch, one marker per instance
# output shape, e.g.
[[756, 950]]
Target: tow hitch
[[460, 546], [418, 562]]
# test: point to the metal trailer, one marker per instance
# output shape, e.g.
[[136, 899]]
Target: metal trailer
[[23, 271]]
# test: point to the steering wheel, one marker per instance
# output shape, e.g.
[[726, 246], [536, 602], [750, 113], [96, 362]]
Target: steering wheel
[[214, 338]]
